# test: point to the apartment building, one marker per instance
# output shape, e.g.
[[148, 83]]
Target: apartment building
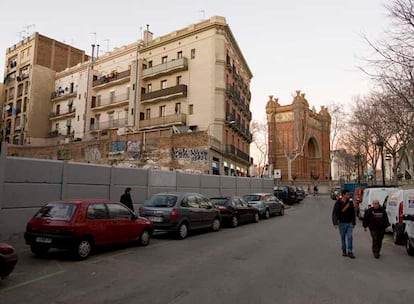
[[191, 80], [29, 77]]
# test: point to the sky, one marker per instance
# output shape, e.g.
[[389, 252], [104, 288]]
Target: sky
[[315, 46]]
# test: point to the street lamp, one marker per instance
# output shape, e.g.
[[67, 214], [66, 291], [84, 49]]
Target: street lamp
[[380, 143]]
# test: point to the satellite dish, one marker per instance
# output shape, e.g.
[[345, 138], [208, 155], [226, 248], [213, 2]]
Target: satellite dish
[[7, 107]]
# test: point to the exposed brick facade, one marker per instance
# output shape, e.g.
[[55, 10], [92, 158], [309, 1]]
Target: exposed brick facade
[[301, 134]]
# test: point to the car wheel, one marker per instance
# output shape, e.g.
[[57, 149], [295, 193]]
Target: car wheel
[[234, 221], [145, 237], [256, 217], [216, 225], [397, 236], [282, 211], [267, 214], [39, 250], [182, 231], [82, 249]]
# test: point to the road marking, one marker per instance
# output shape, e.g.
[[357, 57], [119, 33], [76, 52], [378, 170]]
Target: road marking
[[32, 281]]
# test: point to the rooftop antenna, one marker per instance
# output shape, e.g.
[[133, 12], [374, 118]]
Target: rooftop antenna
[[21, 34], [28, 27], [94, 33], [203, 12]]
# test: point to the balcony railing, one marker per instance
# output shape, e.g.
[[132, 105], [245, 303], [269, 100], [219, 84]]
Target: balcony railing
[[111, 77], [172, 66], [62, 95], [233, 151], [165, 94], [177, 119], [105, 102], [54, 115], [103, 125]]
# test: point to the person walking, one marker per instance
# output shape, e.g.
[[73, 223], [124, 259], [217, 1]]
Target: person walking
[[376, 219], [343, 218], [126, 198]]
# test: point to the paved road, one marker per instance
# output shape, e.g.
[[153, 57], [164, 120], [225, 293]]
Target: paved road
[[291, 259]]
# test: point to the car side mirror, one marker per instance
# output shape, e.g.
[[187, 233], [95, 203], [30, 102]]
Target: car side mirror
[[134, 217]]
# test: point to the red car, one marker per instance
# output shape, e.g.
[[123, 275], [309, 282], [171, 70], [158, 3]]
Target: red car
[[8, 259], [79, 225]]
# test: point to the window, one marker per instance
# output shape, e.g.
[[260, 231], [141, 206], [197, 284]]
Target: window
[[163, 111], [149, 87], [112, 96], [147, 113], [190, 109], [128, 91], [179, 55], [178, 80], [57, 126], [57, 109], [96, 212], [163, 84], [164, 59], [150, 64], [178, 108], [192, 54], [118, 212]]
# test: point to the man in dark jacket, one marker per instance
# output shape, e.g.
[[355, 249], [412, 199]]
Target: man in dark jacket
[[126, 199], [343, 218], [376, 219]]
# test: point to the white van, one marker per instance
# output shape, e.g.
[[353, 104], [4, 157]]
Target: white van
[[370, 194], [408, 218], [394, 206]]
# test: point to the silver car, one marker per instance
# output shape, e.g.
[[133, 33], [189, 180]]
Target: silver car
[[181, 212]]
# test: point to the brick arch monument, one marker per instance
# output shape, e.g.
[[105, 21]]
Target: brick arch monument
[[299, 139]]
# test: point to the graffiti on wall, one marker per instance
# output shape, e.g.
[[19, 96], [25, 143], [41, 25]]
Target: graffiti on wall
[[117, 146], [64, 154], [134, 149], [190, 154], [92, 154]]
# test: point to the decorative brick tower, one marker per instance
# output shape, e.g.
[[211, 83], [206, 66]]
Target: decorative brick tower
[[299, 139]]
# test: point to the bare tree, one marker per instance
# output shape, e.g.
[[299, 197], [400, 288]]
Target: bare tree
[[260, 137]]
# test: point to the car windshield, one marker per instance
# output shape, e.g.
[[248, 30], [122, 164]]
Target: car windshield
[[251, 198], [219, 201], [164, 201], [57, 211]]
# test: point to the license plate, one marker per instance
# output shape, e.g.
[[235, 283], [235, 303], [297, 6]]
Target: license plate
[[155, 219], [45, 240]]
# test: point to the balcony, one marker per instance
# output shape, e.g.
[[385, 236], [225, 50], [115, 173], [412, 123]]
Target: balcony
[[104, 125], [62, 114], [165, 94], [177, 119], [233, 151], [110, 102], [58, 96], [111, 79], [163, 69]]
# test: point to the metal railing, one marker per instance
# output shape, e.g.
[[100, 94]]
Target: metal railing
[[170, 66], [178, 91], [114, 123], [111, 77], [166, 120]]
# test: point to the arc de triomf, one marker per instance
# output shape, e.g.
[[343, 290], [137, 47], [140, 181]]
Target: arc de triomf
[[300, 136]]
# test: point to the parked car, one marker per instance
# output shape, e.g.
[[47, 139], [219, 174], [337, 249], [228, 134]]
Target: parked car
[[181, 213], [286, 194], [394, 206], [335, 191], [80, 225], [8, 259], [235, 210], [300, 192], [374, 193], [408, 219], [266, 203]]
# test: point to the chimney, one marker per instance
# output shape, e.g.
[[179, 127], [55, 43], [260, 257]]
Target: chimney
[[97, 51], [147, 35], [93, 52]]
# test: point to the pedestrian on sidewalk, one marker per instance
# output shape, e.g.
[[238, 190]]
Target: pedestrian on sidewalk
[[343, 218], [376, 219], [126, 198]]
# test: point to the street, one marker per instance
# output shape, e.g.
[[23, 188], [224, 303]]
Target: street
[[295, 258]]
